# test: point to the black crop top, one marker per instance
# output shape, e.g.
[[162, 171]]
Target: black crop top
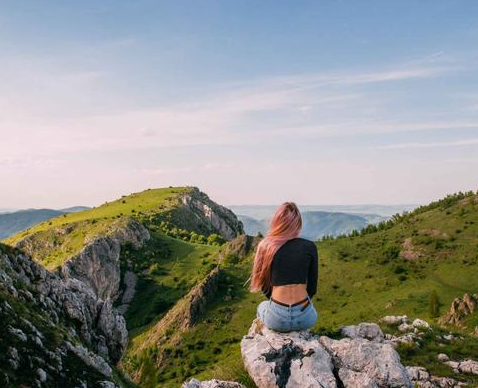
[[295, 262]]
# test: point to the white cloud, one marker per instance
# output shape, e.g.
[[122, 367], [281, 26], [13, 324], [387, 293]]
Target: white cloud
[[453, 143]]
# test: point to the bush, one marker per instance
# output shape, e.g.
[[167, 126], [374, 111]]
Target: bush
[[433, 305]]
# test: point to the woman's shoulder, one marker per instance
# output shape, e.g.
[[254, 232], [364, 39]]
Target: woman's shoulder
[[305, 242]]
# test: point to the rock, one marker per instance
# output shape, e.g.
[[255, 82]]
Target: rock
[[69, 299], [467, 366], [91, 359], [193, 383], [130, 279], [423, 379], [17, 333], [394, 319], [378, 361], [420, 323], [299, 359], [443, 357], [459, 309], [405, 327], [41, 375], [370, 331], [240, 247], [97, 265], [418, 373], [106, 384], [286, 360], [206, 216]]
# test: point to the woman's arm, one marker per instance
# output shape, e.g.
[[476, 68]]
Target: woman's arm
[[312, 277]]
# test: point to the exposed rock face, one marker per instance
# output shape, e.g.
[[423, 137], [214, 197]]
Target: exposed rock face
[[43, 320], [211, 384], [94, 319], [210, 217], [186, 312], [459, 309], [299, 359], [240, 247], [97, 265], [198, 298], [129, 279]]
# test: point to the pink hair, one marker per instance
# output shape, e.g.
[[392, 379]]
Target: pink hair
[[285, 225]]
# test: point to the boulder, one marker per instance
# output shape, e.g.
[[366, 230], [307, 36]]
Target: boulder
[[422, 378], [300, 359], [394, 319], [370, 331], [420, 323], [193, 383], [295, 359]]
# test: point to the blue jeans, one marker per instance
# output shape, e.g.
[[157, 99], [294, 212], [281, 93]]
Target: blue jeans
[[286, 318]]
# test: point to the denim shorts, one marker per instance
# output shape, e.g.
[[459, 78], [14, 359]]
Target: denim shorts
[[286, 318]]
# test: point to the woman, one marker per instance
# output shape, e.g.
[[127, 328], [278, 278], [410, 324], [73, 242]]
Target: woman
[[286, 270]]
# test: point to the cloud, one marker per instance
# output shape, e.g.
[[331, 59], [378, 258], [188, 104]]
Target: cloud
[[453, 143], [266, 110]]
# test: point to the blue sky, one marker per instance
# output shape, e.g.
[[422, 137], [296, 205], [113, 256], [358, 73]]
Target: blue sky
[[255, 102]]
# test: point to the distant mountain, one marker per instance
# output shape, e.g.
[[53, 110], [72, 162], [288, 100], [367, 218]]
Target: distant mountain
[[266, 211], [16, 221], [317, 223], [74, 209], [3, 210]]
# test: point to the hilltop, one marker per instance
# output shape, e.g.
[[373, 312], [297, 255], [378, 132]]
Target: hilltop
[[176, 211]]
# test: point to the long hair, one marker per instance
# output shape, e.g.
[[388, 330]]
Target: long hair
[[285, 225]]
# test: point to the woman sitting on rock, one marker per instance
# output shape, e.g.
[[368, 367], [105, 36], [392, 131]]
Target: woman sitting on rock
[[286, 270]]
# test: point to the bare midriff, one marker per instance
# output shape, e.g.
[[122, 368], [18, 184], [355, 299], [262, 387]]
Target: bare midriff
[[290, 293]]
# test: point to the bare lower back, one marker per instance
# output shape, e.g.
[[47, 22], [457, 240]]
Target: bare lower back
[[290, 293]]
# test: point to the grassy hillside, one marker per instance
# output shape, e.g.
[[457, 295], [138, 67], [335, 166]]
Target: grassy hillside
[[62, 237], [167, 268], [391, 269]]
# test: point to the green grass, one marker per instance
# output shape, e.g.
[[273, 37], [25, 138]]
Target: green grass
[[167, 269], [67, 235], [361, 279]]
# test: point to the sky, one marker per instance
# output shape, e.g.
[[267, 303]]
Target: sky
[[253, 101]]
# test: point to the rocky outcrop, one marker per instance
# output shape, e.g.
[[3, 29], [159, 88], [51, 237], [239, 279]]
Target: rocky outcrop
[[240, 247], [44, 320], [459, 309], [422, 378], [129, 280], [211, 384], [69, 300], [299, 359], [466, 366], [206, 216], [97, 265], [187, 311]]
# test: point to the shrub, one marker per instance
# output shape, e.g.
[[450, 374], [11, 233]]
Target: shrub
[[433, 305]]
